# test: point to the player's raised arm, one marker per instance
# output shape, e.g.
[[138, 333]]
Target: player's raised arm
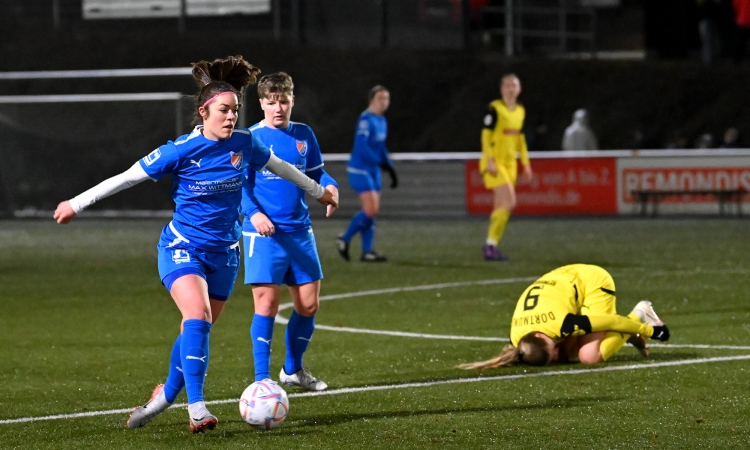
[[291, 173], [70, 208]]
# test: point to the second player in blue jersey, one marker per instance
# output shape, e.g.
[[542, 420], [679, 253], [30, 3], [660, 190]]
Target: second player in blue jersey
[[278, 239], [369, 156]]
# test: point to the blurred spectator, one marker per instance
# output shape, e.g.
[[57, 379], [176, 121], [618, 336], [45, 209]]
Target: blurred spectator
[[679, 141], [578, 135], [731, 138], [637, 142], [705, 141]]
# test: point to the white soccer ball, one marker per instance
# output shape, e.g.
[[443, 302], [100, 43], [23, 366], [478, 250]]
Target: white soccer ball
[[264, 405]]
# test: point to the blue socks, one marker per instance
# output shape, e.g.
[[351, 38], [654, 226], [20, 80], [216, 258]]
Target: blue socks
[[299, 331], [194, 357], [368, 235], [358, 223], [175, 380], [261, 332], [361, 224]]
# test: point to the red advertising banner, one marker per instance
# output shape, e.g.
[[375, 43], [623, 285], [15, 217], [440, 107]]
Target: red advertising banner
[[559, 187], [683, 179]]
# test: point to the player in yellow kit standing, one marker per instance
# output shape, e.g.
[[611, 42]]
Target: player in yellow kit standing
[[502, 142], [571, 310]]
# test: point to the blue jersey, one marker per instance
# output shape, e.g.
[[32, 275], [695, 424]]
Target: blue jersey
[[206, 184], [369, 150], [280, 200]]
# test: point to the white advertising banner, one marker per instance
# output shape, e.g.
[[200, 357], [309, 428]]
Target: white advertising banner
[[141, 9], [682, 172]]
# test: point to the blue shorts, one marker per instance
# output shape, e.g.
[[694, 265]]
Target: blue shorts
[[365, 180], [219, 268], [289, 258]]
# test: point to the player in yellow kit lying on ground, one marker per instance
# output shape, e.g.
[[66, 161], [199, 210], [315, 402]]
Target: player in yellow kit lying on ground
[[571, 310]]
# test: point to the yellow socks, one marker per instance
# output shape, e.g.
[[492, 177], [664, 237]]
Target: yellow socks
[[613, 341], [498, 221]]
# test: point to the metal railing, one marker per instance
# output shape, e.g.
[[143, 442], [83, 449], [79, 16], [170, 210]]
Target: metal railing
[[560, 22]]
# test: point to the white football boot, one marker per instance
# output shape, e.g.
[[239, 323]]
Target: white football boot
[[304, 379], [646, 313], [155, 405]]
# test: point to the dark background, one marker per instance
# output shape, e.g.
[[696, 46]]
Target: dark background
[[435, 57]]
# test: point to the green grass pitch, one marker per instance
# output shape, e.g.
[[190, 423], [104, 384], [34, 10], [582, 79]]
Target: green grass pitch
[[86, 326]]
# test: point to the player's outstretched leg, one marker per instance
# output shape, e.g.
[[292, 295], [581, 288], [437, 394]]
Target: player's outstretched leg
[[152, 408], [164, 394]]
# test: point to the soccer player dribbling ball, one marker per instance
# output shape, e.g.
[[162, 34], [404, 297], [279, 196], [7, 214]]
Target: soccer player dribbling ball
[[369, 156], [198, 252], [278, 237], [502, 140], [571, 312]]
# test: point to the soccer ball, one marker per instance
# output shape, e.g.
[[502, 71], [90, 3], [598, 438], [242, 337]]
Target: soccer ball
[[264, 405]]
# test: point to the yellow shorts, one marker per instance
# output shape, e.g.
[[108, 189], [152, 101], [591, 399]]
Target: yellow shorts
[[504, 175], [598, 291]]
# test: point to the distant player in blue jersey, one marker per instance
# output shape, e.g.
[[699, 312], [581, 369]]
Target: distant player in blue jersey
[[369, 156], [278, 237], [198, 250]]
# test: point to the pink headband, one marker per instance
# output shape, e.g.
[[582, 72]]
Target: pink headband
[[214, 97]]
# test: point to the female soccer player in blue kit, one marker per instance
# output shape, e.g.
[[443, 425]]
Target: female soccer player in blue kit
[[369, 155], [198, 250], [278, 238]]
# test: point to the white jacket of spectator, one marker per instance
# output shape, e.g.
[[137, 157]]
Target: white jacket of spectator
[[578, 136]]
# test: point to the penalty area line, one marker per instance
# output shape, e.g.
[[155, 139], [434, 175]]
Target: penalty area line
[[413, 385]]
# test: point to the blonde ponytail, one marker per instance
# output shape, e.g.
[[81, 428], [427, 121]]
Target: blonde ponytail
[[509, 355]]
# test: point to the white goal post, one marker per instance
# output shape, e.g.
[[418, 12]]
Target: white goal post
[[176, 97]]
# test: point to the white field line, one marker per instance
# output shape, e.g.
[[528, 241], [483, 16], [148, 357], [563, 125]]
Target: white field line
[[413, 335], [412, 385], [283, 320]]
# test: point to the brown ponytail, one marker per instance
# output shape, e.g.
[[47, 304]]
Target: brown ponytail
[[231, 74]]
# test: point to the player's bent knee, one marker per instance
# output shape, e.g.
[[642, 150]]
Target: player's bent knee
[[590, 357], [266, 306], [307, 310]]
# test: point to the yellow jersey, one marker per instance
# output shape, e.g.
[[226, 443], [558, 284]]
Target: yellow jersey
[[571, 301], [502, 136]]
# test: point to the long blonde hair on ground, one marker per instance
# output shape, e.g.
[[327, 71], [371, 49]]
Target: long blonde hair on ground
[[509, 355], [537, 355]]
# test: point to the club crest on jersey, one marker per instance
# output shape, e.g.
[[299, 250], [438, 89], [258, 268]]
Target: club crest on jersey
[[180, 256], [302, 147], [236, 159]]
